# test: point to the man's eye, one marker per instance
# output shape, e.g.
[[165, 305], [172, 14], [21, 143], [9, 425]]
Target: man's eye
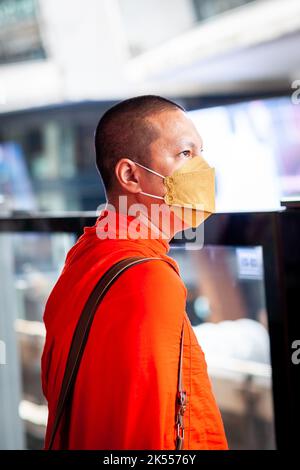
[[186, 153]]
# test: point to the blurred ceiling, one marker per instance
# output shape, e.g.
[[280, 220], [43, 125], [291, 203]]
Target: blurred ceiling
[[116, 48], [254, 46]]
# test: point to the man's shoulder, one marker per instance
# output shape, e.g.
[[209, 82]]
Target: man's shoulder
[[154, 272], [153, 293], [149, 277]]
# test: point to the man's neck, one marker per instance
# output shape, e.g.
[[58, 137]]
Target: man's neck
[[144, 217]]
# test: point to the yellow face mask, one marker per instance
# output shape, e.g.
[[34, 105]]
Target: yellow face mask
[[190, 191]]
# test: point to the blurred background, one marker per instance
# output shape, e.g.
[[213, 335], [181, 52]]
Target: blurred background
[[235, 66]]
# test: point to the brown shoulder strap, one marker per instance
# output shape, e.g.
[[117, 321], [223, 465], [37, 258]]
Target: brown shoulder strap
[[81, 333], [181, 400]]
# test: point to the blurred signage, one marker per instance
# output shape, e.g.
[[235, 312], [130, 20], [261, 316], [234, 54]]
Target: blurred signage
[[19, 31], [249, 262]]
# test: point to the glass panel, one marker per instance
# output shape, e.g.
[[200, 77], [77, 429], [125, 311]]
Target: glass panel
[[226, 307], [31, 263]]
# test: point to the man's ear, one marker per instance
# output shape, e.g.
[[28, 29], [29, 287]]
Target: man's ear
[[127, 175]]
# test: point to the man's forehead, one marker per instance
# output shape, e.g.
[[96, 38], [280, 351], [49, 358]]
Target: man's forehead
[[176, 127]]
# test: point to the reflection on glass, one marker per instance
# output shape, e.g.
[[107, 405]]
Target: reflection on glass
[[226, 307]]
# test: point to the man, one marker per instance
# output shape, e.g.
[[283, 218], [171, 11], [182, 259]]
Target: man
[[125, 391]]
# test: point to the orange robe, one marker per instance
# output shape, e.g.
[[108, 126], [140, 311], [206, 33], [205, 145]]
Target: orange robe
[[124, 395]]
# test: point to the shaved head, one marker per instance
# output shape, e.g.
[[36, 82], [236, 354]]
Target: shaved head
[[125, 131]]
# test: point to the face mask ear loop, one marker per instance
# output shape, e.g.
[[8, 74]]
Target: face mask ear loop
[[152, 195], [148, 169]]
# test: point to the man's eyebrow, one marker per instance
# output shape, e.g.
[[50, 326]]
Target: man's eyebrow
[[189, 143]]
